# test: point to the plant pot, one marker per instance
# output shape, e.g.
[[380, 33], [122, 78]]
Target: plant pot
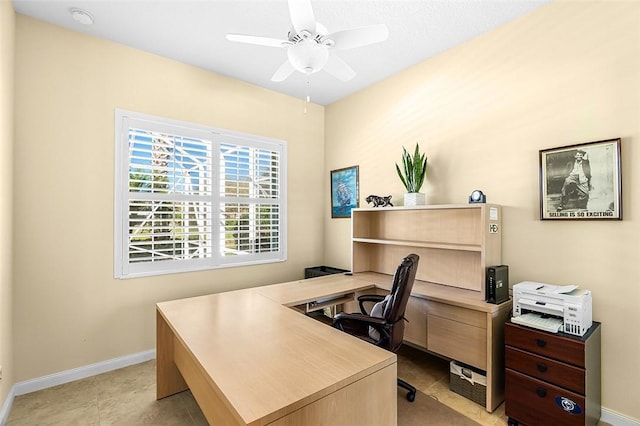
[[414, 199]]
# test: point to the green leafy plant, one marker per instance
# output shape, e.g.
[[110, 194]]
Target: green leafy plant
[[414, 169]]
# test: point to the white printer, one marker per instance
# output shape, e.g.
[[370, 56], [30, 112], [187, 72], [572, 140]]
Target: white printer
[[552, 308]]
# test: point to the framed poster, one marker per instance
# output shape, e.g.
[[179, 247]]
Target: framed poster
[[344, 191], [581, 182]]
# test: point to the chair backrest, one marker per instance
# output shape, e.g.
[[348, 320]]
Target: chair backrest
[[400, 291]]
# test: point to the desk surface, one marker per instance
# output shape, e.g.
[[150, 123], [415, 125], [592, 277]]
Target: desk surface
[[436, 292], [265, 360], [302, 291]]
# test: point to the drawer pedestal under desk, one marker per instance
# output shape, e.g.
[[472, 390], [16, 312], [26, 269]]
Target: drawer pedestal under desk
[[552, 379]]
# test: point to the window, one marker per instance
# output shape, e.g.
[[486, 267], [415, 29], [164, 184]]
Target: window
[[189, 197]]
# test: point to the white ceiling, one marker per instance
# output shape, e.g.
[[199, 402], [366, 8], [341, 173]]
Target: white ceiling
[[194, 32]]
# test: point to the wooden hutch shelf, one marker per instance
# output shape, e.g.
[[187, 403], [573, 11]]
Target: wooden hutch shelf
[[455, 242]]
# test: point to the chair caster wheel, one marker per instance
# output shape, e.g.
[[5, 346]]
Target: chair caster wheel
[[512, 422], [411, 396]]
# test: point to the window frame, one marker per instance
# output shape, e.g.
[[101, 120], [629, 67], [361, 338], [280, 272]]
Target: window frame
[[123, 268]]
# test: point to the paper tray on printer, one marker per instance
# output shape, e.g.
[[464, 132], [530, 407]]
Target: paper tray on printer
[[550, 324]]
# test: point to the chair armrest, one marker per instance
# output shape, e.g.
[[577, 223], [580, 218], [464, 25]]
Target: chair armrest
[[373, 298], [362, 318], [360, 325]]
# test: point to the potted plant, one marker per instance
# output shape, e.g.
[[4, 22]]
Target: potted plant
[[412, 175]]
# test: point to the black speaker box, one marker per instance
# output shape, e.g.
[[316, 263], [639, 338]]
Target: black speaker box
[[497, 284]]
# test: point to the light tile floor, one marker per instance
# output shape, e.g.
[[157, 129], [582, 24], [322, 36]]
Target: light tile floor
[[121, 397], [127, 397]]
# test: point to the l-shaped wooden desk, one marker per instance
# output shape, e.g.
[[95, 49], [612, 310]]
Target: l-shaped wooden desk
[[249, 359]]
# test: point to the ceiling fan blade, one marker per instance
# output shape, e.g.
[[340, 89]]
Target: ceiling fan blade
[[339, 68], [302, 16], [283, 72], [261, 41], [360, 36]]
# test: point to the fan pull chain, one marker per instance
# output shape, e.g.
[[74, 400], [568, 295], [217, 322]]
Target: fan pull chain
[[308, 97]]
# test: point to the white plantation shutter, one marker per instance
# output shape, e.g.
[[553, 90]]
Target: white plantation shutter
[[250, 195], [190, 197]]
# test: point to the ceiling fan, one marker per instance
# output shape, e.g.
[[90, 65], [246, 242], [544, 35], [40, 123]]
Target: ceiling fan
[[309, 46]]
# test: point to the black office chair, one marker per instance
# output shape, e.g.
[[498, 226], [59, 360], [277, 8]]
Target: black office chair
[[384, 326]]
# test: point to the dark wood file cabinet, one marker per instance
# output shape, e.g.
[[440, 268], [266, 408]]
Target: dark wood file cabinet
[[552, 379]]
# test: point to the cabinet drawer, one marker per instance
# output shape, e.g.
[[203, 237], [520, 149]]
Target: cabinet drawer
[[534, 402], [559, 347], [415, 330], [456, 340], [456, 313], [547, 369]]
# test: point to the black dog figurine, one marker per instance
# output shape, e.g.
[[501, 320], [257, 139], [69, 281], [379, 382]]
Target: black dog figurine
[[379, 201]]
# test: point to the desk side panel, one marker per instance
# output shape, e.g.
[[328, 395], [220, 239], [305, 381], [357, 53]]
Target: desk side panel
[[370, 401], [215, 407], [495, 349], [169, 381]]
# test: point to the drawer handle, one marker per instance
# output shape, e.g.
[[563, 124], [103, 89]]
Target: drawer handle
[[541, 367], [541, 343], [541, 392]]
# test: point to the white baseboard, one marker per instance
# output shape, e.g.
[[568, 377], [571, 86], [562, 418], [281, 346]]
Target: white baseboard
[[617, 419], [67, 376], [6, 407]]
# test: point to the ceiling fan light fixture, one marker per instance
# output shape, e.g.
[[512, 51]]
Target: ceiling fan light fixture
[[308, 57]]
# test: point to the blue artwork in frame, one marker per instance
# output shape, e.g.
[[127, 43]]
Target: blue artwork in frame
[[344, 191]]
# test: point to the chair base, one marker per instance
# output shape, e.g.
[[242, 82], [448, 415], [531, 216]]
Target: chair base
[[411, 395]]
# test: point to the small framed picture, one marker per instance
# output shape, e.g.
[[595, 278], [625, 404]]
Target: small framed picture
[[581, 182], [344, 191]]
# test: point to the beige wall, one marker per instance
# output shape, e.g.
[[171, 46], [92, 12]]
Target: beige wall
[[567, 73], [69, 311], [7, 24]]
